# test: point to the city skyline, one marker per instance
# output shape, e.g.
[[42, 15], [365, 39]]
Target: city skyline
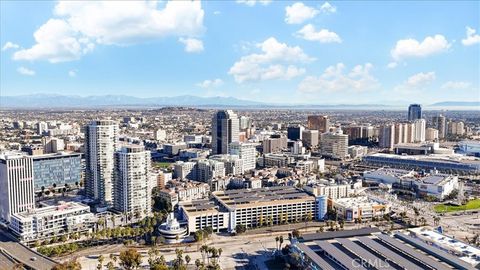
[[273, 52]]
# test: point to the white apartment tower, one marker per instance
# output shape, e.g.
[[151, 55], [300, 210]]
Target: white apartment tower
[[16, 185], [420, 129], [225, 129], [133, 181], [101, 143], [247, 152]]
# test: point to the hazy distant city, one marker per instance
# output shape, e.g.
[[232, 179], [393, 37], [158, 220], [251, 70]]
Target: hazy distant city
[[248, 134]]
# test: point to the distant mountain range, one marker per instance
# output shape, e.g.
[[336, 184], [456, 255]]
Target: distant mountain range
[[70, 101], [457, 103], [63, 101]]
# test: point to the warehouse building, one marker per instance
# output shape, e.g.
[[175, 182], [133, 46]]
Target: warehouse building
[[368, 248]]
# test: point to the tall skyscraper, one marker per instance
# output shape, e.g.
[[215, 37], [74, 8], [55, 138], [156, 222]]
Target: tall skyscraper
[[318, 122], [133, 181], [16, 185], [295, 132], [440, 123], [414, 112], [386, 137], [101, 143], [224, 131], [420, 126]]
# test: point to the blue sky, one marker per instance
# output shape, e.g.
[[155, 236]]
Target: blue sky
[[286, 52]]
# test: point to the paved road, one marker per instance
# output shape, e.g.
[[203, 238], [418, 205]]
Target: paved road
[[23, 254], [6, 262]]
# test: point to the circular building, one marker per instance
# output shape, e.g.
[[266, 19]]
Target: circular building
[[171, 230]]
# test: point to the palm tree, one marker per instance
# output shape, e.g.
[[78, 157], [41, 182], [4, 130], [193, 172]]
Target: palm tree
[[436, 220], [204, 251], [112, 219], [187, 260], [276, 242], [423, 221], [281, 242], [198, 264], [417, 213]]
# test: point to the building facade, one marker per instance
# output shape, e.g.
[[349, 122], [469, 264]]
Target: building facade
[[414, 112], [247, 152], [225, 129], [334, 144], [133, 181], [57, 170], [52, 221], [318, 122], [16, 185], [101, 143]]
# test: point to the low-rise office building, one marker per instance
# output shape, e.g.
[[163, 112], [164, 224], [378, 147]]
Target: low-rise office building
[[56, 170], [252, 208], [259, 207], [362, 207], [52, 221], [423, 184]]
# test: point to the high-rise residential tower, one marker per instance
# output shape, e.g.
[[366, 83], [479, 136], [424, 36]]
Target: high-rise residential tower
[[224, 131], [318, 122], [420, 126], [133, 181], [16, 185], [386, 137], [414, 112], [101, 143], [440, 123]]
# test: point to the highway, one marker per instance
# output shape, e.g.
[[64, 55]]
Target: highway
[[22, 254]]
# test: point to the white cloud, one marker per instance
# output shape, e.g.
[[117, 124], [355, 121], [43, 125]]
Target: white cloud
[[210, 83], [322, 36], [217, 12], [416, 82], [455, 85], [298, 13], [328, 8], [82, 24], [334, 79], [56, 41], [392, 65], [192, 45], [413, 48], [472, 38], [72, 73], [25, 71], [10, 45], [269, 64], [252, 3], [420, 79]]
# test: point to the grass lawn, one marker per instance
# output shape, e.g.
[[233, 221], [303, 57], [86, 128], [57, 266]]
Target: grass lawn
[[161, 164], [473, 204]]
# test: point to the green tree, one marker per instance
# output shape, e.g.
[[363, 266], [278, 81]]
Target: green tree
[[240, 228], [70, 265], [130, 259]]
